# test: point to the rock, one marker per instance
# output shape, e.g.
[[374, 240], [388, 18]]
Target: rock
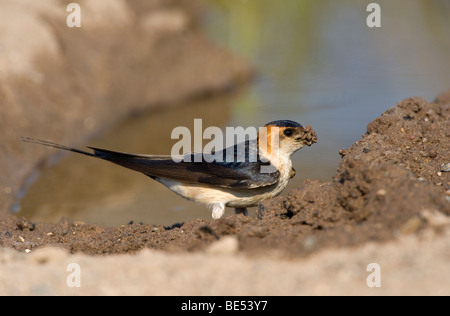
[[31, 38]]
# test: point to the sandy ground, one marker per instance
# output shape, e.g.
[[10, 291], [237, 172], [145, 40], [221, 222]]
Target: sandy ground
[[387, 204], [410, 265]]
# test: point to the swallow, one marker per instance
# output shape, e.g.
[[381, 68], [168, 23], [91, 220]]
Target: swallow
[[236, 183]]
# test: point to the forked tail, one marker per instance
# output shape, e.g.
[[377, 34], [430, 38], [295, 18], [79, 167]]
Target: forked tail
[[49, 144]]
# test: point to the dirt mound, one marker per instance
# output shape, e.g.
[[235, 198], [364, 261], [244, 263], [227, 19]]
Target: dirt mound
[[388, 184], [414, 135]]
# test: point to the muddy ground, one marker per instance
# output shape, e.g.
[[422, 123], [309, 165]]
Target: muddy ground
[[388, 204], [389, 183]]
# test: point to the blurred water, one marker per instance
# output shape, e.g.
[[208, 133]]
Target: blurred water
[[318, 63]]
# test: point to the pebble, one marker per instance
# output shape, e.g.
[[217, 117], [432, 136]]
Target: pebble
[[21, 239], [412, 225], [228, 245], [445, 167]]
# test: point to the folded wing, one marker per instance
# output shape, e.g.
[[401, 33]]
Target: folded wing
[[235, 175]]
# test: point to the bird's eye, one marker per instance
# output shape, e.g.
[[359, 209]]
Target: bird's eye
[[288, 132]]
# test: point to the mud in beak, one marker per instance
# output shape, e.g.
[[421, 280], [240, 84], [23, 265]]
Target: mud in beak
[[309, 136]]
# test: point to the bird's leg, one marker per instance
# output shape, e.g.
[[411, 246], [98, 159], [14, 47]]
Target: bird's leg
[[261, 210], [241, 210], [218, 209]]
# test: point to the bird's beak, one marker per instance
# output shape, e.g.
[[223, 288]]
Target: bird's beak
[[309, 136]]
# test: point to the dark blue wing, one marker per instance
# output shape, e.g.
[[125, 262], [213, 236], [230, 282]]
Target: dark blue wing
[[239, 168]]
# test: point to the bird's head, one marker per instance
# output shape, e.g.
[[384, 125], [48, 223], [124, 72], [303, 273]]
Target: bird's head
[[288, 136]]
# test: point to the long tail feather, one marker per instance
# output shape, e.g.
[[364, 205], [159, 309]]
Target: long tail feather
[[50, 144]]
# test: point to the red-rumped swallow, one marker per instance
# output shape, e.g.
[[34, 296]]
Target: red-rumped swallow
[[238, 183]]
